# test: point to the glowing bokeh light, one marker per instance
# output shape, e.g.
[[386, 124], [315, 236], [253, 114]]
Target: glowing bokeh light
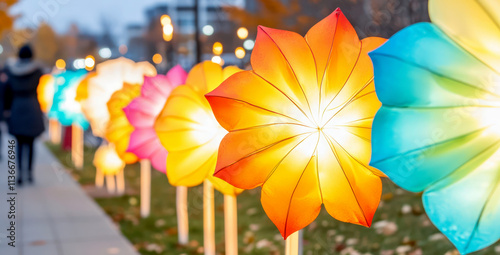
[[165, 20], [240, 52], [208, 30], [89, 63], [248, 44], [105, 53], [218, 60], [217, 48], [157, 58], [60, 64], [123, 49], [242, 33]]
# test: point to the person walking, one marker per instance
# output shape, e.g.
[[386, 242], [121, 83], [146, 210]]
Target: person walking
[[26, 119], [3, 103]]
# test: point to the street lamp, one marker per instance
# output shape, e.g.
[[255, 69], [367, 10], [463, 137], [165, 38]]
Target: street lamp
[[217, 48], [168, 28], [165, 19], [89, 63]]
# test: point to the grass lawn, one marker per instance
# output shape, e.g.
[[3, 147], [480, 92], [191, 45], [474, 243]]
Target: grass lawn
[[400, 225]]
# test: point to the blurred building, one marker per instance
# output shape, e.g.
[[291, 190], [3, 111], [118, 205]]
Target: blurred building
[[145, 42], [220, 19], [137, 48]]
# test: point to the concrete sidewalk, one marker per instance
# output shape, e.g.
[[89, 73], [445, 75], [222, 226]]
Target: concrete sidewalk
[[55, 216]]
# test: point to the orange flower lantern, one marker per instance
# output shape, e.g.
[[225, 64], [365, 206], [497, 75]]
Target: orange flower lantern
[[299, 125], [45, 92]]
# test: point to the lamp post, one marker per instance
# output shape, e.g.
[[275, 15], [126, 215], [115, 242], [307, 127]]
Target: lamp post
[[197, 31], [168, 32]]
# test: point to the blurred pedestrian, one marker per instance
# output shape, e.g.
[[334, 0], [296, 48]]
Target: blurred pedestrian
[[26, 118], [3, 103]]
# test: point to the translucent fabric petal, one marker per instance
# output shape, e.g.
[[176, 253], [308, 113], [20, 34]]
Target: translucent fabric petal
[[107, 160], [474, 25], [143, 111], [82, 92], [110, 77], [119, 129], [438, 128], [189, 131], [299, 125], [45, 92], [64, 107]]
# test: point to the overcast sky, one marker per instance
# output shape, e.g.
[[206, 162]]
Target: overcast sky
[[87, 14]]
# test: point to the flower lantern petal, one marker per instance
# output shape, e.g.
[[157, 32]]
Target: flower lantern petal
[[45, 92], [336, 48], [479, 35], [64, 107], [82, 90], [107, 160], [143, 111], [110, 77], [189, 131], [119, 128], [299, 125], [177, 76], [204, 77], [438, 130], [283, 59]]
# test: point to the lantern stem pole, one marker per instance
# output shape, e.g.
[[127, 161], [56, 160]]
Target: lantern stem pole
[[208, 218], [182, 214], [120, 182], [54, 131], [99, 178], [77, 146], [145, 188], [293, 244], [231, 224], [110, 183]]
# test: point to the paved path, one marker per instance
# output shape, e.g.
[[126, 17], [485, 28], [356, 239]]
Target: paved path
[[55, 216]]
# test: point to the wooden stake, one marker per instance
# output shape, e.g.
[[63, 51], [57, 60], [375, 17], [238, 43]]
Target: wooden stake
[[293, 244], [77, 146], [99, 178], [182, 215], [208, 218], [110, 183], [231, 224], [120, 182], [145, 188], [54, 131]]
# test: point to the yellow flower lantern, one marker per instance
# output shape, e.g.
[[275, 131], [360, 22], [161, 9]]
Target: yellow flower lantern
[[107, 160], [119, 129]]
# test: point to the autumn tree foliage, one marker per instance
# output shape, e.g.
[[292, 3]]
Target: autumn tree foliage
[[368, 17], [46, 44], [6, 20]]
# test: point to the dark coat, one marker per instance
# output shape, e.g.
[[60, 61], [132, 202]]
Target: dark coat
[[3, 99], [26, 117]]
